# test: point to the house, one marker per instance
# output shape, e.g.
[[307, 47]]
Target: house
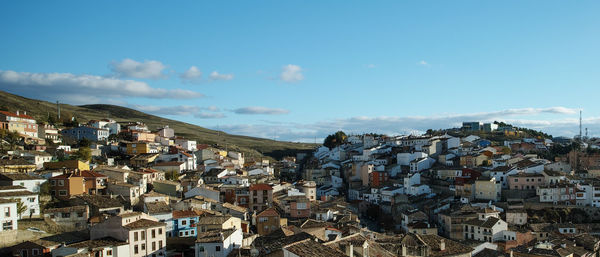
[[112, 126], [66, 185], [487, 230], [134, 148], [49, 132], [267, 221], [99, 247], [130, 192], [100, 204], [162, 212], [36, 157], [42, 247], [19, 122], [526, 181], [170, 166], [204, 191], [296, 206], [8, 215], [487, 189], [89, 133], [143, 159], [208, 223], [501, 173], [16, 165], [560, 193], [28, 198], [234, 210], [185, 223], [261, 197], [74, 217], [167, 187], [188, 145], [218, 243], [67, 164], [30, 182], [144, 234]]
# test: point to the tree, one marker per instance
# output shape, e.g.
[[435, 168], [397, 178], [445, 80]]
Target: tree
[[45, 188], [335, 139], [84, 142], [21, 208], [83, 154], [171, 175], [11, 137]]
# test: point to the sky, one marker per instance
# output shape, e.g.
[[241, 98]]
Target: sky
[[300, 70]]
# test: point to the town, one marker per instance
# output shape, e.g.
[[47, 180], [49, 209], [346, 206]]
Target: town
[[107, 188]]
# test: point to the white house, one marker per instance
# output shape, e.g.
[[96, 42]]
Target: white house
[[30, 182], [421, 164], [30, 199], [218, 243], [487, 230], [8, 215], [188, 145], [406, 158], [501, 174]]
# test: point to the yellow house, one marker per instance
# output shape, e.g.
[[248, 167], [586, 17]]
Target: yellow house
[[16, 166], [68, 164], [134, 148], [223, 153], [487, 189]]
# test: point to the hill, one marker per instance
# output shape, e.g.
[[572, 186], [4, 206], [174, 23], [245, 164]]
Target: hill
[[251, 146]]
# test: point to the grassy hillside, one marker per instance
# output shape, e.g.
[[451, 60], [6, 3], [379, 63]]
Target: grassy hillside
[[251, 146]]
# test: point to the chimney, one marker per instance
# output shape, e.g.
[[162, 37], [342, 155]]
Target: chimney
[[17, 112], [442, 245]]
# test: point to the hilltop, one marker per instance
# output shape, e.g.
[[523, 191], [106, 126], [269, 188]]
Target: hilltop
[[251, 146]]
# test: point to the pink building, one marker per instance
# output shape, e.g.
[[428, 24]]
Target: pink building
[[526, 181]]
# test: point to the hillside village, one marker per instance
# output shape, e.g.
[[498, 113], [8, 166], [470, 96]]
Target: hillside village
[[104, 188]]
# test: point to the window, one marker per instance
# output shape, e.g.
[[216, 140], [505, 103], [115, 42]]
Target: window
[[7, 212], [153, 246], [80, 214], [31, 199], [200, 248], [62, 192], [143, 235], [53, 182], [153, 234], [7, 225], [135, 236], [180, 233], [160, 231], [135, 249], [184, 222], [108, 252], [160, 244], [217, 248], [143, 247], [35, 252], [61, 182], [66, 214]]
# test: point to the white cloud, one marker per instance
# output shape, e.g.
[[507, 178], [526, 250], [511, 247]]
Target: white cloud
[[291, 73], [142, 70], [260, 110], [210, 112], [209, 115], [423, 63], [83, 89], [371, 66], [217, 76], [191, 75]]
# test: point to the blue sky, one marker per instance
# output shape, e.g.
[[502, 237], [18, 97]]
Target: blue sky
[[299, 70]]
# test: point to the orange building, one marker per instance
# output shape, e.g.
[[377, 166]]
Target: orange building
[[267, 221], [66, 185]]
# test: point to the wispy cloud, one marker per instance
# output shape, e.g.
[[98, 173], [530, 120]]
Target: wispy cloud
[[291, 73], [191, 75], [209, 112], [215, 75], [260, 110], [371, 66], [423, 63], [129, 68], [209, 115], [83, 89]]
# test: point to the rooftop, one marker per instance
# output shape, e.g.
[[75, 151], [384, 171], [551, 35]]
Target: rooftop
[[311, 248], [144, 223], [214, 236]]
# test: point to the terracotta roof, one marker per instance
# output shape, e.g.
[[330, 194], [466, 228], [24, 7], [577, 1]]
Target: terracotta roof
[[18, 176], [452, 248], [66, 209], [90, 174], [488, 223], [144, 223], [271, 212], [214, 236], [98, 243], [24, 116], [186, 214], [157, 207], [16, 193], [260, 187], [311, 248], [213, 220]]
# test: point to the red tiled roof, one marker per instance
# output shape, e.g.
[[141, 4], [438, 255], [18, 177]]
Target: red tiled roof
[[89, 174], [271, 212], [15, 115], [260, 187]]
